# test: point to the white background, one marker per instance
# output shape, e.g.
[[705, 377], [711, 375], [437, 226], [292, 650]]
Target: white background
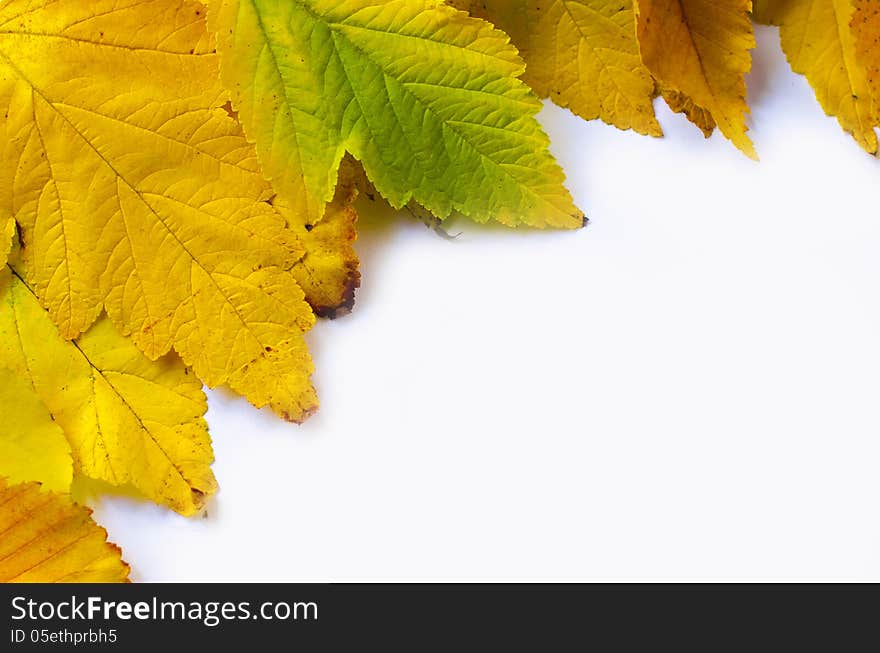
[[685, 390]]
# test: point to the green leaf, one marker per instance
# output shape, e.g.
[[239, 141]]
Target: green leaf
[[426, 97]]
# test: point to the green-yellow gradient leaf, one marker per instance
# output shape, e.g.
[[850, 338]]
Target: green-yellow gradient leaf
[[138, 193], [32, 446], [129, 420], [426, 97]]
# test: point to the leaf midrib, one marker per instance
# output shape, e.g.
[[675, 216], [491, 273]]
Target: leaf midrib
[[100, 372]]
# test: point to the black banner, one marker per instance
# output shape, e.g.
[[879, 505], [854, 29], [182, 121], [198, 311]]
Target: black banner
[[415, 617]]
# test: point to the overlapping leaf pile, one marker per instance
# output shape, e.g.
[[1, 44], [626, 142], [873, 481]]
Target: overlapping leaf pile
[[609, 59], [836, 45], [177, 183]]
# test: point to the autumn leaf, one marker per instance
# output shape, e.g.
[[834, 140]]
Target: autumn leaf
[[328, 271], [700, 49], [32, 445], [819, 44], [866, 30], [865, 27], [49, 539], [143, 197], [426, 97], [582, 54], [681, 103], [7, 231], [128, 420], [834, 44]]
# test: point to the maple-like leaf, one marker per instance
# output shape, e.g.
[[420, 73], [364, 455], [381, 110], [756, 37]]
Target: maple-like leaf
[[582, 54], [49, 539], [128, 420], [137, 193], [702, 50], [426, 97], [32, 445], [819, 44]]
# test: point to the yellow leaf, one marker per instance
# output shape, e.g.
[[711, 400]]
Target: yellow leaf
[[7, 231], [137, 192], [582, 54], [328, 271], [819, 44], [49, 539], [701, 49], [866, 29], [681, 103], [32, 446], [128, 420]]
